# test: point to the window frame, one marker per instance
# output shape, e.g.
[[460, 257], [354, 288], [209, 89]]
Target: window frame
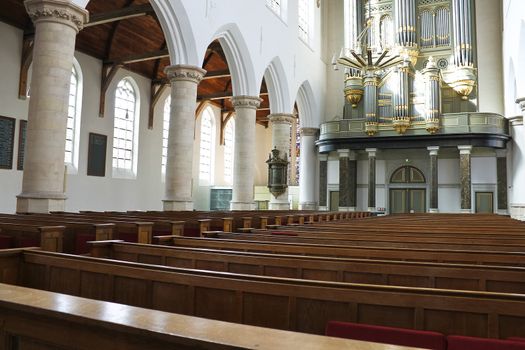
[[207, 112], [72, 166], [123, 172]]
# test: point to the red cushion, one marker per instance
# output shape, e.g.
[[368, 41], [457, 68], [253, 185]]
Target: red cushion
[[81, 240], [23, 242], [284, 233], [457, 342], [387, 335], [128, 236], [516, 339], [5, 242]]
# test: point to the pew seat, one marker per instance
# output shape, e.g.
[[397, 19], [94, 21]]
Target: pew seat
[[387, 335], [284, 233], [456, 342]]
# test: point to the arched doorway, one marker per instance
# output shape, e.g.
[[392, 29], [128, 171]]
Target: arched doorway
[[407, 191]]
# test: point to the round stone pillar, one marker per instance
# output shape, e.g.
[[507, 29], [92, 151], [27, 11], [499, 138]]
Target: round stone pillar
[[281, 126], [56, 26], [179, 164], [307, 166], [244, 152], [371, 178]]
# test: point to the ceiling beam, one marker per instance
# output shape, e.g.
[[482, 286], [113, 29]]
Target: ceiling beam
[[120, 14], [148, 56], [221, 96], [217, 74]]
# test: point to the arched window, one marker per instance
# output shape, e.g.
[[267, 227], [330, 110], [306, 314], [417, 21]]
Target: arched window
[[279, 7], [386, 32], [407, 174], [229, 138], [165, 132], [206, 144], [124, 138], [73, 117], [305, 19]]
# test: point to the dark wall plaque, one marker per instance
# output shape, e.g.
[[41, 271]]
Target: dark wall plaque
[[7, 138], [22, 131], [220, 198], [97, 154]]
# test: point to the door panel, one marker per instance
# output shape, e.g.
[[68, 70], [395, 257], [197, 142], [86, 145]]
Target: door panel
[[405, 200], [417, 200], [484, 202], [334, 200], [398, 201]]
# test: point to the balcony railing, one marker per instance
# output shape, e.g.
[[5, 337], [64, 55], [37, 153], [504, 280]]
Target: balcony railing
[[452, 123]]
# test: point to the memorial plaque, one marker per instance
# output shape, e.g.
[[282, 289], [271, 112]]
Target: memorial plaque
[[7, 138], [22, 132], [220, 198], [97, 154]]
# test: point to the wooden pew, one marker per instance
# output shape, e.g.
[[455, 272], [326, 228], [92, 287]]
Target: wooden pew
[[385, 253], [281, 303], [49, 237], [381, 272], [35, 319]]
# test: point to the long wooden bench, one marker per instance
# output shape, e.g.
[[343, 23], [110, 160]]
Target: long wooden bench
[[292, 236], [385, 253], [282, 303], [35, 319], [380, 272]]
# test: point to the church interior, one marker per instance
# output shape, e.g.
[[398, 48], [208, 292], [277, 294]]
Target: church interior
[[262, 174]]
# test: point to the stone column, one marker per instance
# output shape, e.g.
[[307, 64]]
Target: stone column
[[501, 169], [344, 191], [244, 157], [370, 108], [465, 178], [433, 153], [371, 178], [179, 164], [307, 173], [281, 127], [323, 182], [56, 26], [352, 181]]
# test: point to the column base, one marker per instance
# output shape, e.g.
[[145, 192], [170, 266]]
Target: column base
[[502, 212], [323, 208], [174, 205], [433, 210], [279, 206], [308, 206], [372, 209], [517, 211], [35, 203], [466, 211], [242, 205]]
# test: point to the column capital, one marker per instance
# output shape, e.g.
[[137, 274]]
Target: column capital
[[281, 118], [184, 72], [244, 101], [309, 131], [343, 153], [501, 153], [59, 11], [466, 149], [371, 152], [433, 150], [323, 157], [521, 101]]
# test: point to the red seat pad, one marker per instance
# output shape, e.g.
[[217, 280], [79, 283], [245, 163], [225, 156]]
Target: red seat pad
[[23, 242], [516, 339], [81, 246], [5, 242], [284, 233], [128, 237], [387, 335], [457, 342]]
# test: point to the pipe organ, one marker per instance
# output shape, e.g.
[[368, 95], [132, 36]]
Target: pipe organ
[[437, 72]]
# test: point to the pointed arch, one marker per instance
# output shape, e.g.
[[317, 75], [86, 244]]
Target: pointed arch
[[277, 84], [306, 105], [239, 60]]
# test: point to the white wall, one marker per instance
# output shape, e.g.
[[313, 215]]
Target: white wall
[[514, 75], [146, 189]]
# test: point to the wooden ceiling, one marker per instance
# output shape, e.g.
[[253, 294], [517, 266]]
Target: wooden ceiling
[[128, 33]]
